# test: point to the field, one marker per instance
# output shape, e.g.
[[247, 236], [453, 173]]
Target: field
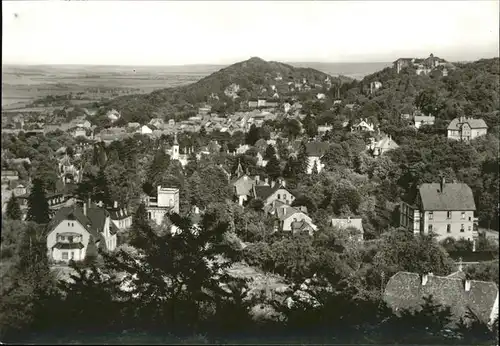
[[21, 85]]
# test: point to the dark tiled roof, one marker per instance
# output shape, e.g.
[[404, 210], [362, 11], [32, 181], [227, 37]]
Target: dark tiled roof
[[316, 148], [405, 291], [262, 192], [93, 222], [455, 196], [68, 246], [118, 213]]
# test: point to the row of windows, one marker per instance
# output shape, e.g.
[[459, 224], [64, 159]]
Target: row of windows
[[65, 255], [448, 215], [448, 228]]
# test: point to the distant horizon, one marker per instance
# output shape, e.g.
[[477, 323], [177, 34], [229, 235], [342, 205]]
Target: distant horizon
[[227, 64], [175, 33]]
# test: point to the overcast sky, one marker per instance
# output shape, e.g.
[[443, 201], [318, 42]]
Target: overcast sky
[[177, 33]]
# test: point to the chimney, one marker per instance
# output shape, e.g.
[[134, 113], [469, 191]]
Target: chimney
[[85, 209], [272, 183], [283, 182], [266, 181], [441, 185], [425, 277], [115, 204], [460, 265], [467, 285], [257, 179]]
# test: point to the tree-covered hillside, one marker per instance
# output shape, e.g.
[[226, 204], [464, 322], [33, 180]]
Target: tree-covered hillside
[[470, 89], [247, 79]]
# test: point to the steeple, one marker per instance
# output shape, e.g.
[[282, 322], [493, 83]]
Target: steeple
[[175, 148], [239, 170]]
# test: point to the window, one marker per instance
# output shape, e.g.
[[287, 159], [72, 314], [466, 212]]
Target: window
[[431, 215], [429, 228], [63, 237], [463, 215], [448, 216], [469, 228], [65, 255], [279, 196], [70, 238], [448, 228], [462, 229], [149, 215]]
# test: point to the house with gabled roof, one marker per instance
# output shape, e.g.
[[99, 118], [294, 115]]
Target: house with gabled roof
[[273, 192], [290, 219], [363, 126], [382, 146], [445, 209], [73, 229], [406, 290], [465, 129]]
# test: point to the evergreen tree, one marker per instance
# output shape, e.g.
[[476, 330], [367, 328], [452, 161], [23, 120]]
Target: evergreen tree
[[310, 126], [101, 189], [302, 160], [270, 152], [273, 168], [38, 207], [13, 209], [253, 135]]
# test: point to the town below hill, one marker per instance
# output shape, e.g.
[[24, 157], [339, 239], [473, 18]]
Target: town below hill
[[297, 202]]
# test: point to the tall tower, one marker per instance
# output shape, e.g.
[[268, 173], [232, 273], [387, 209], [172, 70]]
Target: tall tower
[[175, 148], [239, 170]]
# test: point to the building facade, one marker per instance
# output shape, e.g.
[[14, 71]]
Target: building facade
[[445, 209], [465, 129], [166, 201]]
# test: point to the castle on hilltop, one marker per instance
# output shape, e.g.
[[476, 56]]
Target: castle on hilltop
[[423, 66]]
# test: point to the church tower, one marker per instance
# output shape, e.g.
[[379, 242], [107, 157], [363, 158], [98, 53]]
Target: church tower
[[239, 170], [175, 148]]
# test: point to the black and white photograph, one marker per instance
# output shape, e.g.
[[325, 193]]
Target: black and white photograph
[[250, 172]]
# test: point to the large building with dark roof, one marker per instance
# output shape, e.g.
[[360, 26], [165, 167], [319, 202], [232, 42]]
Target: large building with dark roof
[[445, 209], [406, 291]]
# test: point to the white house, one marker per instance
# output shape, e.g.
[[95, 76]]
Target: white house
[[363, 125], [465, 129], [420, 120], [166, 201], [72, 229]]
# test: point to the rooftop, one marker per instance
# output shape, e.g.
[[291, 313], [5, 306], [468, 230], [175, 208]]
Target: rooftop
[[406, 291], [455, 196]]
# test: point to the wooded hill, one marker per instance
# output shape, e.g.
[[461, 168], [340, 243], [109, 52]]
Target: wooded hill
[[247, 79]]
